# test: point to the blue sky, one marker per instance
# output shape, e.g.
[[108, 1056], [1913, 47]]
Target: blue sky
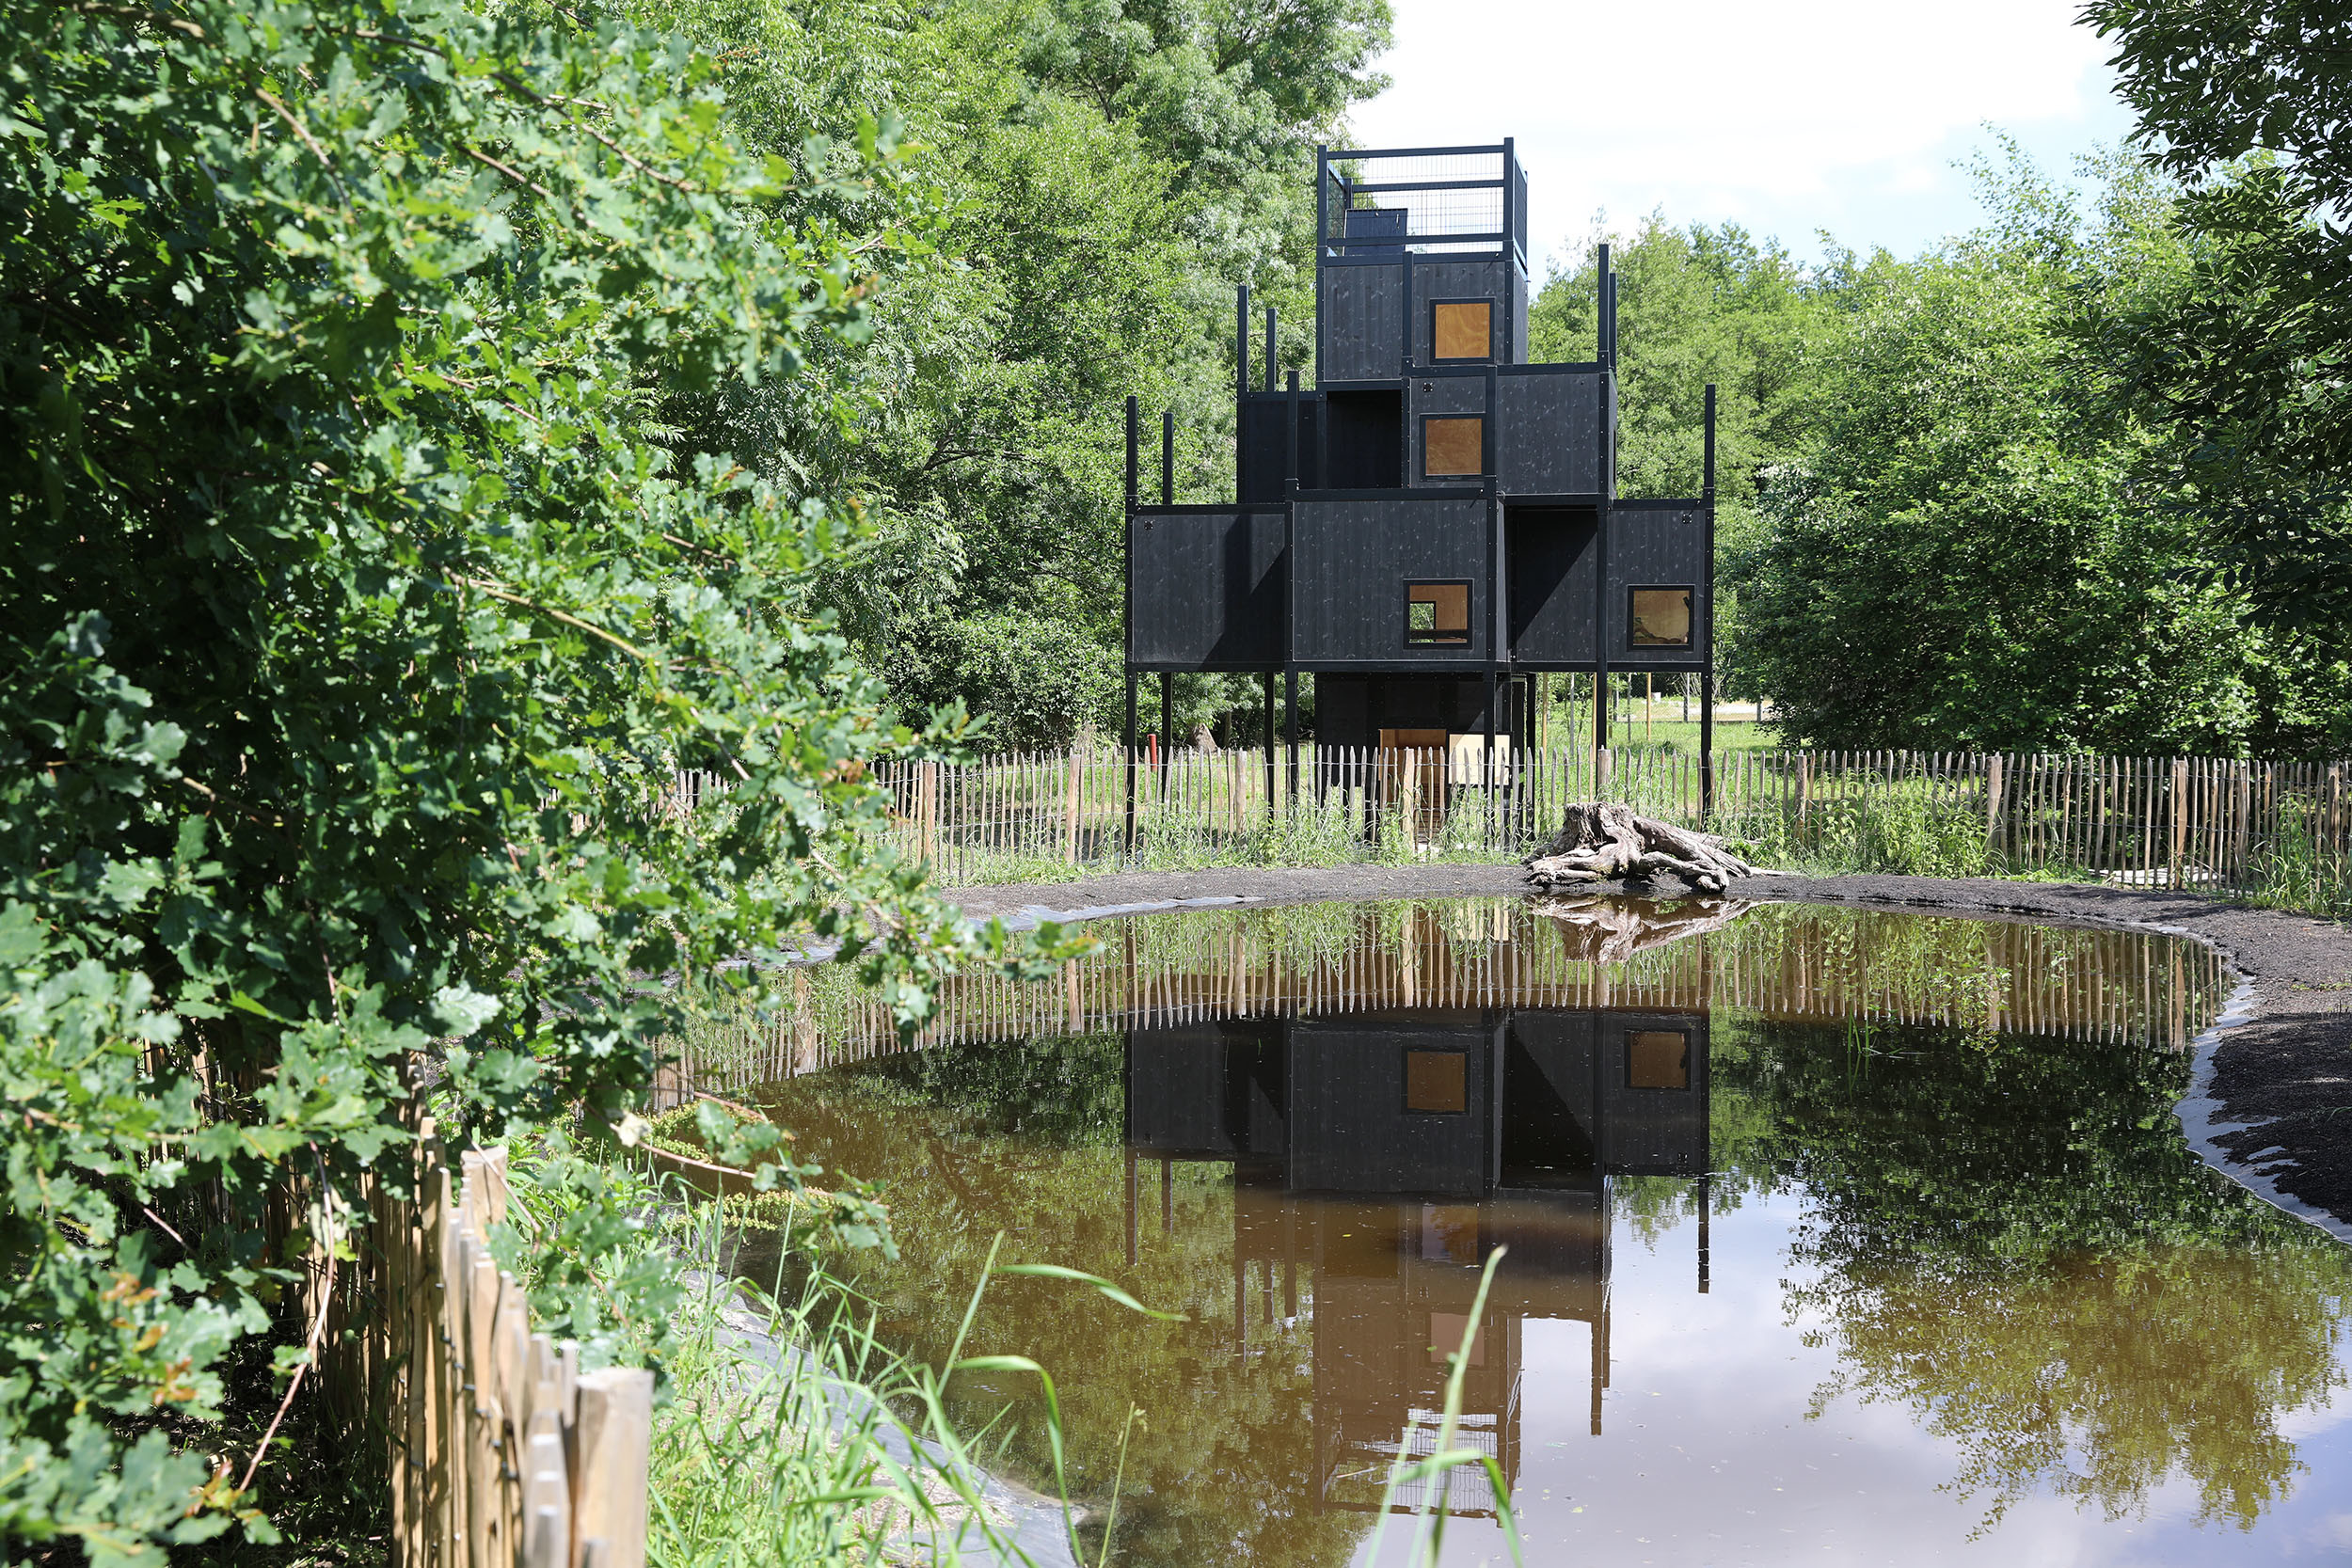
[[1838, 115]]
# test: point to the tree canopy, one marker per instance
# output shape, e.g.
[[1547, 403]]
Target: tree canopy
[[357, 608]]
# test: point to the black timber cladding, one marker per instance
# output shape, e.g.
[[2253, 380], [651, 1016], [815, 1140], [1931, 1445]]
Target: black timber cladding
[[1335, 513], [1362, 324], [1547, 433], [1350, 1130], [1551, 555], [1354, 559], [1652, 1132], [1206, 590], [1546, 1094], [1658, 544]]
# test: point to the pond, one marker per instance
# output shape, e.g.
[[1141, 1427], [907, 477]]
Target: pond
[[1832, 1235]]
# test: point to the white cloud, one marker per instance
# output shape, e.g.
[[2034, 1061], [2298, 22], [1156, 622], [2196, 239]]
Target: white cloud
[[1822, 113]]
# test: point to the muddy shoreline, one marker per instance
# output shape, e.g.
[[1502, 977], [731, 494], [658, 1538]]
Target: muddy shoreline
[[2273, 1096]]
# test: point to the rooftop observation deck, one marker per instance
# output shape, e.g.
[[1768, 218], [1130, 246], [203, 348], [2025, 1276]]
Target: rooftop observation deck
[[1375, 205]]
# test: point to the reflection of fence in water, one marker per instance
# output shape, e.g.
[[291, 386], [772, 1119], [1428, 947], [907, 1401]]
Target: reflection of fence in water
[[1789, 963]]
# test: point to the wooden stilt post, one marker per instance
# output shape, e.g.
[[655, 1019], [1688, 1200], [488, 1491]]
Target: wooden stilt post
[[1706, 613], [1290, 732], [1128, 613], [1129, 751], [1268, 684], [1167, 728]]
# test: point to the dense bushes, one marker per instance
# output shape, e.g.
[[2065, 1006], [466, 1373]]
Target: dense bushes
[[351, 622]]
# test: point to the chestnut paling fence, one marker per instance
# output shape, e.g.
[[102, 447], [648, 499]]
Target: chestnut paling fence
[[2216, 824], [501, 1450]]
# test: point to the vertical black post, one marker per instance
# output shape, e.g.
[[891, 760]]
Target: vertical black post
[[1290, 726], [1267, 682], [1498, 576], [1605, 330], [1241, 339], [1241, 382], [1486, 771], [1127, 544], [1167, 726], [1167, 458], [1131, 761], [1410, 338], [1604, 290], [1290, 473], [1323, 230], [1290, 556], [1272, 355], [1512, 260], [1707, 1207], [1707, 594]]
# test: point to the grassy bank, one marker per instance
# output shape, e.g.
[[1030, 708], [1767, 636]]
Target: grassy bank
[[785, 1434]]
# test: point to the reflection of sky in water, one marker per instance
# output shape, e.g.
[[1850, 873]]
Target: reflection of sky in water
[[1708, 1456], [1926, 1260]]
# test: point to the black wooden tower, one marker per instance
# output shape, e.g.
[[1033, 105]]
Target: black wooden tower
[[1436, 518]]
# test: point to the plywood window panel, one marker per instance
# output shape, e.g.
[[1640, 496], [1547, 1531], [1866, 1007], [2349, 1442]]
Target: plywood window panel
[[1446, 1330], [1436, 1083], [1658, 1059], [1661, 618], [1448, 1234], [1461, 330], [1452, 446], [1437, 615]]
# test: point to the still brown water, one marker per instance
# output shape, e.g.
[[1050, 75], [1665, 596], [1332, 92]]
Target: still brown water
[[1833, 1236]]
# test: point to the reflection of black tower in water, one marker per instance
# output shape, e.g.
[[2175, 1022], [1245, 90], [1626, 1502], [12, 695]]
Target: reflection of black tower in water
[[1425, 1138], [1434, 519]]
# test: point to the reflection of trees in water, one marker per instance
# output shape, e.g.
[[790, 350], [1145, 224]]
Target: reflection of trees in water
[[2013, 1243], [1032, 1134]]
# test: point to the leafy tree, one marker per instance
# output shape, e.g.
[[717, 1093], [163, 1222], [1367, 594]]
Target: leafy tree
[[2245, 366], [1965, 553], [1110, 172], [1982, 1213], [1698, 305], [354, 620]]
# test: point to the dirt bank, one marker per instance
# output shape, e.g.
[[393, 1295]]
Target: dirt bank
[[2279, 1085]]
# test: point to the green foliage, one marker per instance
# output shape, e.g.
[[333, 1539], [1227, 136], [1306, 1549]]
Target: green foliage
[[2243, 368], [1984, 1212], [2062, 483], [1108, 172], [354, 620], [1906, 830], [1962, 554]]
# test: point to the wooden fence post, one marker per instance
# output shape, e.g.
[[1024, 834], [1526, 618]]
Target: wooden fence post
[[1070, 809], [2180, 821], [2333, 833], [927, 812], [1992, 837], [615, 1442]]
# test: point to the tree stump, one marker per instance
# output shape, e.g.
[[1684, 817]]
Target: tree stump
[[1608, 843]]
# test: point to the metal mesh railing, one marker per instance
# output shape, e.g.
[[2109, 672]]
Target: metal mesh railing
[[1430, 204]]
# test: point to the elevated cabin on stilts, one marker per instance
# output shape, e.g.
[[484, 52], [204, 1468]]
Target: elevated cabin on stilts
[[1436, 520]]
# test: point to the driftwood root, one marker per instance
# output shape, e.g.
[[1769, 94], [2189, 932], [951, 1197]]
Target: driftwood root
[[1607, 842]]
